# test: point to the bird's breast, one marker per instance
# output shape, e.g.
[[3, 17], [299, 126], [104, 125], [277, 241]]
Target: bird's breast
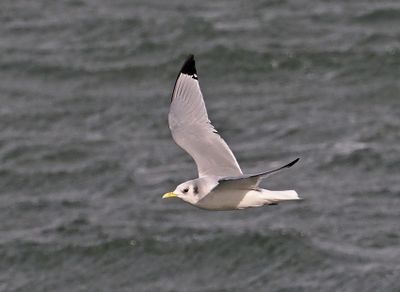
[[225, 199]]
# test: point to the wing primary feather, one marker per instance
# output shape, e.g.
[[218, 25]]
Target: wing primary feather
[[189, 68], [291, 163], [261, 174], [192, 130], [266, 173]]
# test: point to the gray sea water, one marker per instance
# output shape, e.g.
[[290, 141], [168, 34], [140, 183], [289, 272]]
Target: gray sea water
[[86, 153]]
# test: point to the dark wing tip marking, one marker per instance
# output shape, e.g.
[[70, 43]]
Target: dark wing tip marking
[[282, 167], [189, 67], [292, 163], [261, 174]]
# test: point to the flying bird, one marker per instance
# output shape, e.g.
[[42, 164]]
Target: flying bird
[[221, 185]]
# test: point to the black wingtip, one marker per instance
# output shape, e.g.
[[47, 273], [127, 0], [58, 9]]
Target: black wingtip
[[293, 162], [189, 67]]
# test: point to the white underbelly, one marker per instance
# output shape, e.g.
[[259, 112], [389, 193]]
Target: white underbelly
[[232, 199]]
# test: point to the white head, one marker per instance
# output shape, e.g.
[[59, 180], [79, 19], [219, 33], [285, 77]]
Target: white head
[[189, 191]]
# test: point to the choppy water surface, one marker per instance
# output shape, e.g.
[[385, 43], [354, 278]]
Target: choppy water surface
[[85, 151]]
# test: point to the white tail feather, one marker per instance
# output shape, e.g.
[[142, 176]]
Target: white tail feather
[[276, 196]]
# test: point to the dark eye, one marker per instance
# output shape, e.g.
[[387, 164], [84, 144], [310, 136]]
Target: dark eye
[[186, 190]]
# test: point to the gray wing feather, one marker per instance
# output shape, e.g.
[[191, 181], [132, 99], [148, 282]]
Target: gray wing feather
[[251, 180], [192, 129]]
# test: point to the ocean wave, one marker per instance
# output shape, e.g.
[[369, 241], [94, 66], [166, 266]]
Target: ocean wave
[[354, 154], [228, 261], [380, 15], [279, 244]]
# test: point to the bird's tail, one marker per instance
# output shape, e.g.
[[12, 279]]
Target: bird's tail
[[277, 196]]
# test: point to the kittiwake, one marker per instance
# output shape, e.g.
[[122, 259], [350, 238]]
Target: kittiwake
[[221, 185]]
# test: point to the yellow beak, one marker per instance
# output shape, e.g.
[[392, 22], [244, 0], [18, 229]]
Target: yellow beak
[[169, 195]]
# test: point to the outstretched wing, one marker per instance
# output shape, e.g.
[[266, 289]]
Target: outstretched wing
[[193, 131], [249, 181]]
